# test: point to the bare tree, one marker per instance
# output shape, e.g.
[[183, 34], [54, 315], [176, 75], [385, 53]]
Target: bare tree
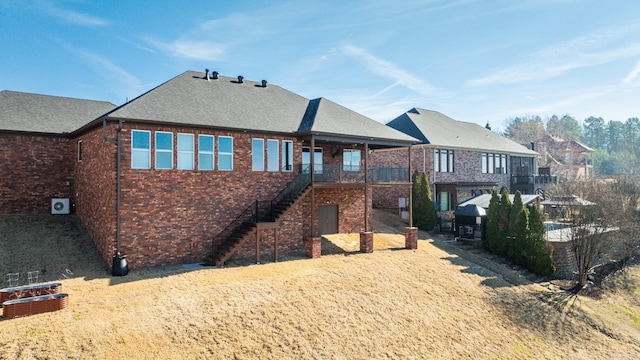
[[603, 219]]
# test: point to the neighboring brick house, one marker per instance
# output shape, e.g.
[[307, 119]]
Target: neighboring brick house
[[564, 159], [206, 166], [462, 159], [36, 152]]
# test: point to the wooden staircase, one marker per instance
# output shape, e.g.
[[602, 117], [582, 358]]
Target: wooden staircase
[[244, 227]]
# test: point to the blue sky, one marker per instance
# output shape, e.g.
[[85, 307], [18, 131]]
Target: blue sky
[[478, 61]]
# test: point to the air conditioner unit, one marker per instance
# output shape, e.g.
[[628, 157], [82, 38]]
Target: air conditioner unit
[[60, 206]]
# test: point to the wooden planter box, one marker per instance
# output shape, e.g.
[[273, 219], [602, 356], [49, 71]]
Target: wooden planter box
[[34, 305], [19, 292]]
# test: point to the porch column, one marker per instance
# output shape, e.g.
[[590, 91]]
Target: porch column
[[314, 247], [411, 238], [366, 187], [366, 242], [410, 190], [313, 193]]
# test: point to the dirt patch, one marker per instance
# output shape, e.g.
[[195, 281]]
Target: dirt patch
[[424, 303]]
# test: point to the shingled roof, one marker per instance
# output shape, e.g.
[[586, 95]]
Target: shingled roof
[[192, 99], [26, 112], [439, 130]]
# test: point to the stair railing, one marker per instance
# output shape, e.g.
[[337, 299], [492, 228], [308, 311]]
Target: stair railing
[[249, 214]]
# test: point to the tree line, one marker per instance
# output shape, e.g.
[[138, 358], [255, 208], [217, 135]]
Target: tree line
[[616, 143]]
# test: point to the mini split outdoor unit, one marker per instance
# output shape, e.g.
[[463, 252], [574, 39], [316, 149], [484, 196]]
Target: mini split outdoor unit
[[60, 206]]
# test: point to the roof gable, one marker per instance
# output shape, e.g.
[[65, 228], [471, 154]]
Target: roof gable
[[38, 113]]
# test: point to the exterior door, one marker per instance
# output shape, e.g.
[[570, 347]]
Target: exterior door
[[328, 219]]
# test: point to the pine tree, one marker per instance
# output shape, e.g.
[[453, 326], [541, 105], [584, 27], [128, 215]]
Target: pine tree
[[539, 255], [518, 231], [503, 241], [418, 199], [431, 217], [493, 218]]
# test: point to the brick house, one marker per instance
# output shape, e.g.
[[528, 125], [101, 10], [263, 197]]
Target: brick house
[[36, 151], [462, 159], [211, 167]]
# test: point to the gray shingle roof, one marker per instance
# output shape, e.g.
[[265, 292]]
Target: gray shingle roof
[[326, 117], [37, 113], [190, 99], [439, 130]]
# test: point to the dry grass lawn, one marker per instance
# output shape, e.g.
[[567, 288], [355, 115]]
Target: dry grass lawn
[[425, 304]]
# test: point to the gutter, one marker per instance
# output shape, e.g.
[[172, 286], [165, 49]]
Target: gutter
[[120, 267]]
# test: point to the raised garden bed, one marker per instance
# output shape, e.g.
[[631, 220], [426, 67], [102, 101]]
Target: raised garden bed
[[34, 305], [18, 292]]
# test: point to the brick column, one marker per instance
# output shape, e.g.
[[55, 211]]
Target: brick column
[[314, 247], [366, 242], [411, 238]]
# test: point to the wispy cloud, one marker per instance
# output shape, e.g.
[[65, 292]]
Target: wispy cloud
[[633, 74], [114, 78], [556, 60], [70, 15], [190, 49], [388, 70]]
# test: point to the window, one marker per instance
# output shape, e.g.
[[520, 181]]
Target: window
[[185, 151], [140, 149], [257, 154], [205, 152], [494, 163], [444, 201], [273, 156], [351, 160], [164, 150], [79, 150], [287, 155], [443, 160], [317, 160], [225, 153]]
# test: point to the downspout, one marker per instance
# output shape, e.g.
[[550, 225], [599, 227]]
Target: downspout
[[120, 267]]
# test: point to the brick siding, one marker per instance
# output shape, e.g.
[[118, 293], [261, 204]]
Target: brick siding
[[35, 169], [467, 170]]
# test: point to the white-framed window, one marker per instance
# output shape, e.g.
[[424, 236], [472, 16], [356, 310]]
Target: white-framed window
[[273, 155], [257, 154], [351, 160], [140, 149], [287, 155], [443, 160], [79, 150], [317, 160], [225, 153], [185, 151], [205, 152], [164, 150]]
